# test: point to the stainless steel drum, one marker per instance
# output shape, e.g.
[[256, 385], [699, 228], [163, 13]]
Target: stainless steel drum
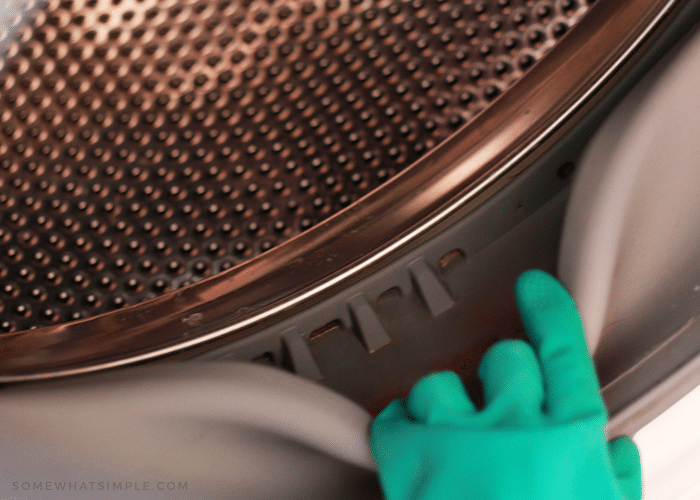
[[179, 175]]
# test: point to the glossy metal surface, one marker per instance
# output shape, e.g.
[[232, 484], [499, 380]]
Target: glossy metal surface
[[145, 146], [448, 182]]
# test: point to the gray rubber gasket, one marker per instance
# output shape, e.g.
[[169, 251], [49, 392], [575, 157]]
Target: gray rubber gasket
[[444, 303]]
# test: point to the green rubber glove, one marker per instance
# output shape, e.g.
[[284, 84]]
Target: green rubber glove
[[541, 435]]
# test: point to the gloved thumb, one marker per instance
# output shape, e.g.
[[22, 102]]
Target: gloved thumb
[[627, 467]]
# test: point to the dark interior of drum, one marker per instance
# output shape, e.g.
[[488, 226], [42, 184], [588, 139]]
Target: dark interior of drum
[[146, 145]]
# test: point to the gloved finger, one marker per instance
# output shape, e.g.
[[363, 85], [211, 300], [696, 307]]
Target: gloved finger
[[393, 412], [624, 457], [512, 381], [440, 398], [554, 326]]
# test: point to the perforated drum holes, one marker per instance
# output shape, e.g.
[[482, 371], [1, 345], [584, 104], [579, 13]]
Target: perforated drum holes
[[145, 146]]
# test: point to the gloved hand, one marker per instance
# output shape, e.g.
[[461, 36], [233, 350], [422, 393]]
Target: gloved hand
[[541, 435]]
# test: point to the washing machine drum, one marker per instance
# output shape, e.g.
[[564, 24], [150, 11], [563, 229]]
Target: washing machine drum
[[176, 178], [346, 189]]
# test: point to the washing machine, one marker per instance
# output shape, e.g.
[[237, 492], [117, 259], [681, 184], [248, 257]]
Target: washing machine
[[231, 232]]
